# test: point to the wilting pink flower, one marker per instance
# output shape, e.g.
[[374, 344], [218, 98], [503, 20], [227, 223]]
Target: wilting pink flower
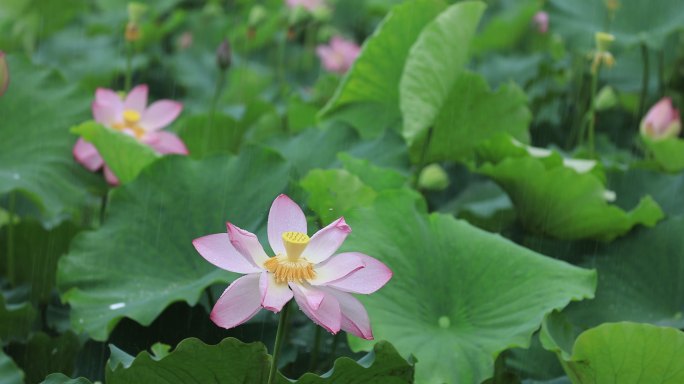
[[309, 5], [4, 74], [339, 55], [302, 267], [661, 121], [132, 117], [541, 21]]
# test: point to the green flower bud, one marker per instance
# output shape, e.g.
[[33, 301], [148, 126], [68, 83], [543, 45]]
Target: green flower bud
[[433, 178], [605, 99]]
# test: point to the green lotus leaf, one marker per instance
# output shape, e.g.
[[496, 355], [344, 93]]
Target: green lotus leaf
[[470, 115], [667, 154], [230, 361], [626, 353], [142, 259], [123, 154], [35, 143], [368, 97], [561, 197], [434, 65], [204, 135], [459, 296], [639, 279], [337, 192]]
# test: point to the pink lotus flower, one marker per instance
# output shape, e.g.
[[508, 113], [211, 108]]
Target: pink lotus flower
[[302, 267], [339, 55], [661, 121], [309, 5], [541, 21], [132, 117]]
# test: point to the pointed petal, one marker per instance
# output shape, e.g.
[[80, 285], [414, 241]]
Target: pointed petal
[[273, 295], [105, 114], [354, 316], [336, 268], [325, 242], [247, 244], [314, 297], [110, 176], [285, 215], [160, 114], [327, 315], [365, 280], [108, 97], [218, 250], [238, 303], [137, 99], [165, 142], [86, 154]]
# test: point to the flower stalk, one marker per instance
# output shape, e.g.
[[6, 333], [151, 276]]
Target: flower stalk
[[316, 347], [280, 336], [223, 62], [601, 56], [644, 79], [10, 238]]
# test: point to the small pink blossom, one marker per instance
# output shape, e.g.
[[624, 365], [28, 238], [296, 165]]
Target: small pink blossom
[[662, 121], [309, 5], [541, 21], [133, 117], [304, 268], [339, 55]]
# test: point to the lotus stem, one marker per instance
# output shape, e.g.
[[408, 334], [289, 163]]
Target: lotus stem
[[10, 238], [644, 82], [280, 335]]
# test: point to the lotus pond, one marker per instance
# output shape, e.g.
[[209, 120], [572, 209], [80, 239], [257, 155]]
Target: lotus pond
[[341, 191]]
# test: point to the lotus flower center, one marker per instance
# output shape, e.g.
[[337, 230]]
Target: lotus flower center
[[291, 266], [130, 123]]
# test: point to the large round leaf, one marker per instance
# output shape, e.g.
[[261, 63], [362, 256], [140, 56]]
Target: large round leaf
[[35, 144], [142, 258], [640, 279], [368, 97], [230, 361], [459, 295], [626, 353]]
